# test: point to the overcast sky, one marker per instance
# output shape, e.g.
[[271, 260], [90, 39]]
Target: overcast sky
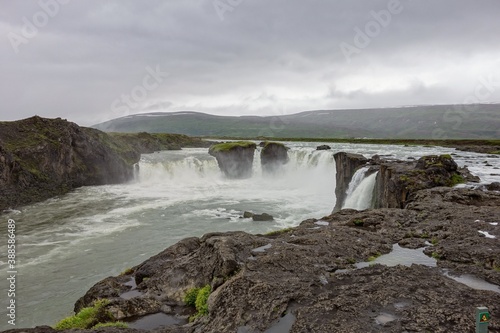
[[94, 60]]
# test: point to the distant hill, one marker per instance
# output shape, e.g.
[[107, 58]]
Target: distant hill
[[480, 121]]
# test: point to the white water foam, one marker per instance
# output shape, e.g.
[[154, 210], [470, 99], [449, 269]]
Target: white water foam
[[360, 191]]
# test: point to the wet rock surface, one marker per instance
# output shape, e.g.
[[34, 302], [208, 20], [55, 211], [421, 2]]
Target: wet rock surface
[[346, 165], [235, 159], [309, 272], [273, 156]]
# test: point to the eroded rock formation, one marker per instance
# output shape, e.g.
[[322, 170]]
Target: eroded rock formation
[[273, 156], [235, 159]]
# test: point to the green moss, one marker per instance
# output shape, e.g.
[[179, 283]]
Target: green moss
[[201, 300], [447, 156], [351, 261], [358, 223], [278, 232], [127, 271], [375, 256], [198, 297], [85, 319], [456, 179], [436, 255], [190, 297], [119, 324], [227, 146], [434, 241]]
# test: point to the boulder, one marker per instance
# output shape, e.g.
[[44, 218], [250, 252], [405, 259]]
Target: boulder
[[235, 159], [495, 186], [323, 147], [273, 156], [262, 217]]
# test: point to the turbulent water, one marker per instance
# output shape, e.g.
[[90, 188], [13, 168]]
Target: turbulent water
[[360, 191], [68, 243]]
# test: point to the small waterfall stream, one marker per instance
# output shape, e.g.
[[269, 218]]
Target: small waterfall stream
[[360, 192]]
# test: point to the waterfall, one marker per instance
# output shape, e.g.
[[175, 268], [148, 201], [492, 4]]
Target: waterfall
[[360, 191]]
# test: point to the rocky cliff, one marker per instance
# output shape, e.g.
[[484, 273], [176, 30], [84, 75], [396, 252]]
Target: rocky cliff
[[235, 159], [41, 158], [346, 165], [398, 181]]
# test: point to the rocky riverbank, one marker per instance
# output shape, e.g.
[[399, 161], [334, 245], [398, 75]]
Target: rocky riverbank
[[307, 278], [42, 158]]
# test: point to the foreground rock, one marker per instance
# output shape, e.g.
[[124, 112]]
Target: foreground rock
[[235, 159], [306, 274], [273, 156]]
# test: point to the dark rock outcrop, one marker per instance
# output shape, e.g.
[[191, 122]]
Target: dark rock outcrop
[[262, 217], [258, 217], [323, 147], [235, 159], [346, 165], [397, 182], [307, 272], [495, 186], [41, 158], [273, 156]]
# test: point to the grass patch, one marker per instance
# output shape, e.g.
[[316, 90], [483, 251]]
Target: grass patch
[[198, 298], [87, 317], [227, 146]]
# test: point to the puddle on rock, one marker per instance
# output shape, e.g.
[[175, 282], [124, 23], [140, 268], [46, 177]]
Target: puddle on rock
[[385, 318], [284, 324], [262, 248], [401, 256], [473, 282], [131, 283], [154, 321], [323, 223], [131, 294]]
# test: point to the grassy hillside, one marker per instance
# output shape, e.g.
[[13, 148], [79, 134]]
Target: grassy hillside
[[418, 122]]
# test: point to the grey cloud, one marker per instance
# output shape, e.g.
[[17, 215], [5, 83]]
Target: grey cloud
[[264, 57]]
